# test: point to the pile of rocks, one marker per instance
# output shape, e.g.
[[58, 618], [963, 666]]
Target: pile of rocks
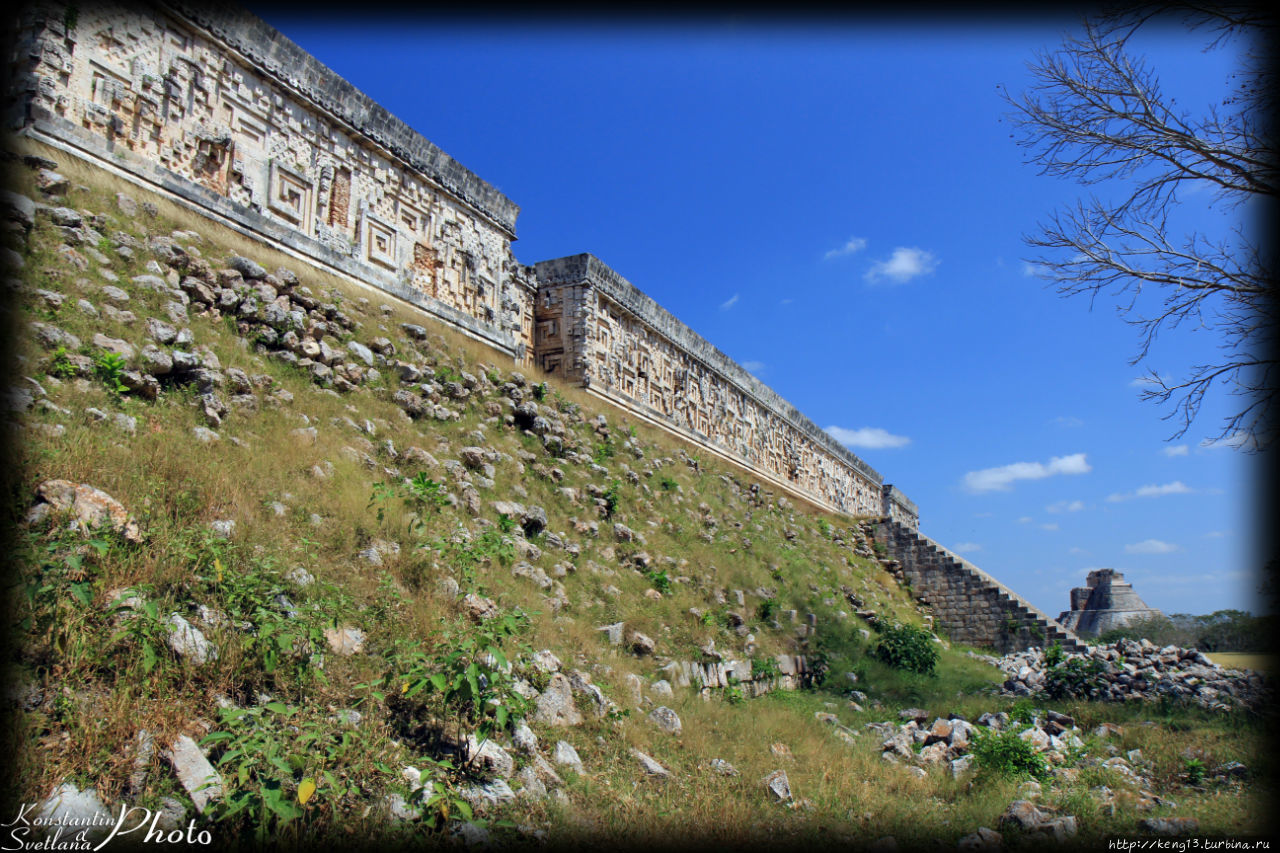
[[1138, 669]]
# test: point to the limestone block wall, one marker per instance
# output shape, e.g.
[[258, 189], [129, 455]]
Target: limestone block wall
[[212, 103], [597, 329], [897, 507], [973, 607]]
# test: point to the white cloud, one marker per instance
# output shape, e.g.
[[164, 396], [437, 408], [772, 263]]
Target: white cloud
[[1002, 478], [1176, 450], [855, 245], [1076, 550], [1216, 534], [1177, 487], [752, 366], [903, 265], [966, 547], [1151, 546], [869, 437], [1237, 440], [1053, 525], [1065, 506], [1033, 270], [1026, 519], [1068, 421], [729, 303]]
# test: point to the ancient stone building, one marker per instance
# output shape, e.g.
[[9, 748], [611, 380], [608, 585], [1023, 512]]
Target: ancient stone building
[[597, 329], [217, 107], [214, 108], [1105, 602]]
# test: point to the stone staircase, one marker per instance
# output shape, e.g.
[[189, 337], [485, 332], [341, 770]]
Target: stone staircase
[[970, 605]]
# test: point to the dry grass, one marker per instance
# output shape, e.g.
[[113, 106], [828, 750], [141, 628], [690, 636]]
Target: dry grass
[[87, 661]]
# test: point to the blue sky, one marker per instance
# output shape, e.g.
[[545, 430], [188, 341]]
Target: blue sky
[[839, 205]]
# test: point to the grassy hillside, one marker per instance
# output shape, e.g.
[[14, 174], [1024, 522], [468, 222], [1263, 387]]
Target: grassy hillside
[[374, 594]]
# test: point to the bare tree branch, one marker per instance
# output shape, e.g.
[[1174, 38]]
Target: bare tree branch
[[1096, 114]]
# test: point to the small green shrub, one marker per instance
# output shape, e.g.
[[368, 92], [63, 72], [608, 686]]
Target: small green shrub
[[61, 366], [611, 500], [539, 391], [907, 647], [767, 610], [1007, 755], [667, 484], [1073, 678], [110, 367], [1194, 770], [660, 580]]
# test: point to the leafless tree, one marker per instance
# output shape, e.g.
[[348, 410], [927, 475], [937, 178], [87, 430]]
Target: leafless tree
[[1096, 113]]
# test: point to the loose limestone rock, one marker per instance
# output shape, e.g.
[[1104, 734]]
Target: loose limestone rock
[[666, 719], [651, 767], [565, 755], [91, 508], [778, 786], [187, 642], [195, 772], [555, 706]]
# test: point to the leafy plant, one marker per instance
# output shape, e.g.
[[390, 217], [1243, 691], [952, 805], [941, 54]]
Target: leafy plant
[[1023, 711], [468, 672], [667, 484], [660, 580], [539, 391], [907, 647], [61, 365], [764, 667], [441, 803], [1076, 677], [275, 759], [1007, 755], [110, 367], [611, 500], [417, 494], [604, 450], [1194, 770], [767, 610], [1054, 655]]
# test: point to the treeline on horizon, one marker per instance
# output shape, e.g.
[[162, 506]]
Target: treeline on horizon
[[1220, 631]]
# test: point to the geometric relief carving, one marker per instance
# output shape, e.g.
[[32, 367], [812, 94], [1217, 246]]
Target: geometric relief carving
[[379, 242], [291, 196]]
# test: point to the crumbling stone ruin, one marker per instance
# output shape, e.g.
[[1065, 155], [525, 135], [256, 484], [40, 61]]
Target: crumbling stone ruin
[[1105, 602], [215, 109]]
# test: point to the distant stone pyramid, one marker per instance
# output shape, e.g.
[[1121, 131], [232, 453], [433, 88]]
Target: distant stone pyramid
[[1106, 601]]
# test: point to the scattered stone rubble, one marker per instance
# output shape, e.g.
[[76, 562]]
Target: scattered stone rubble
[[1138, 669]]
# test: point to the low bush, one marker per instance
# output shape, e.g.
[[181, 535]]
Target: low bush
[[1007, 755], [908, 647]]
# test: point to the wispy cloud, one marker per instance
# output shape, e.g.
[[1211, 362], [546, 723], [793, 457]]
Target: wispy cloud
[[1053, 525], [1216, 534], [1065, 506], [1001, 479], [1077, 550], [753, 366], [1176, 450], [1151, 546], [966, 547], [1177, 487], [1237, 441], [869, 437], [855, 245], [1033, 270], [903, 265], [1068, 421], [1026, 519], [729, 303]]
